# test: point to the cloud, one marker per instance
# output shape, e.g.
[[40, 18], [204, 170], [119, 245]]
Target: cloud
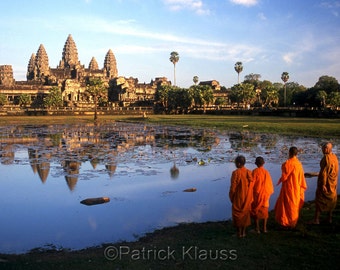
[[133, 29], [261, 16], [333, 6], [288, 57], [195, 5], [247, 3], [306, 44], [190, 46]]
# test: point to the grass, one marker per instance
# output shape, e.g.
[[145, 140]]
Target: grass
[[211, 245], [316, 127]]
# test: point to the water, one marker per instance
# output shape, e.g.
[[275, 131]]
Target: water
[[47, 170]]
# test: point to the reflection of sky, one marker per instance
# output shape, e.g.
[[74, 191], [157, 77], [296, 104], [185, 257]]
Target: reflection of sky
[[144, 196]]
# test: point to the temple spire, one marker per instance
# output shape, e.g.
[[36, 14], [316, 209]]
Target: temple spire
[[41, 63], [110, 65], [31, 68], [93, 64], [70, 55]]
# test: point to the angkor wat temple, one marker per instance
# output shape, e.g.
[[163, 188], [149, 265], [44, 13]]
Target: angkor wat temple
[[70, 76]]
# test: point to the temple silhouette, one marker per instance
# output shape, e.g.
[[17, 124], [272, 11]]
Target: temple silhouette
[[70, 76]]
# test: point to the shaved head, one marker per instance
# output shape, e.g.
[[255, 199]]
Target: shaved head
[[327, 147]]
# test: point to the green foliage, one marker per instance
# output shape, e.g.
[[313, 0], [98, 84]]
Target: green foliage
[[195, 79], [285, 76], [174, 57], [179, 100], [270, 96], [95, 87], [334, 99], [54, 98], [3, 99], [328, 84], [161, 96], [220, 101], [24, 100], [98, 91], [238, 67], [243, 93], [174, 99]]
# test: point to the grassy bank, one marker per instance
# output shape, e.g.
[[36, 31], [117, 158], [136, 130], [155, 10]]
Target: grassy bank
[[210, 245], [316, 127]]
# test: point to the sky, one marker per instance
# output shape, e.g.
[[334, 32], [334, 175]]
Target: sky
[[268, 36]]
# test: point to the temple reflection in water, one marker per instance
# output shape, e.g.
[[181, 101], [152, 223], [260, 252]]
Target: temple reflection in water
[[72, 145]]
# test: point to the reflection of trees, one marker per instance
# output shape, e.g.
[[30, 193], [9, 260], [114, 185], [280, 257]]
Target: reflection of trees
[[184, 137], [243, 140], [247, 141]]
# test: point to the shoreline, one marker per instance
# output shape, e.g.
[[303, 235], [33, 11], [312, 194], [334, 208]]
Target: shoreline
[[277, 246]]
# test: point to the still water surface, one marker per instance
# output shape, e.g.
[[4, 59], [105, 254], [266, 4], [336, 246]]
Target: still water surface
[[47, 170]]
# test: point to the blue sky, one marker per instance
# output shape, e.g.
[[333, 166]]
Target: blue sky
[[267, 36]]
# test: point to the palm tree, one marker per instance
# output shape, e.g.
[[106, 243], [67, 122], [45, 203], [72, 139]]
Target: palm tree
[[174, 58], [195, 79], [285, 78], [238, 68]]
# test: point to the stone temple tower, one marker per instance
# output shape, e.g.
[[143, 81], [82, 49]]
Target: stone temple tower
[[93, 64], [110, 65], [42, 68], [31, 68], [70, 55]]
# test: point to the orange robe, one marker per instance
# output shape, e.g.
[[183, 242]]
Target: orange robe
[[292, 194], [263, 188], [328, 176], [241, 196]]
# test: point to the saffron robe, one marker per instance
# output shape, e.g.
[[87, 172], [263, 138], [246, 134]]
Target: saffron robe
[[328, 176], [263, 188], [241, 196], [292, 194]]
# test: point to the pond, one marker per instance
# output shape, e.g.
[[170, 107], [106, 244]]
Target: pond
[[46, 171]]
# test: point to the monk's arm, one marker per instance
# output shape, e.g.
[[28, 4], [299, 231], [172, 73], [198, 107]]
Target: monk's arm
[[286, 170], [323, 173], [232, 187]]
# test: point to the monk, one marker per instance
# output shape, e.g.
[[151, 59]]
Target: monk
[[292, 193], [326, 191], [263, 189], [241, 196]]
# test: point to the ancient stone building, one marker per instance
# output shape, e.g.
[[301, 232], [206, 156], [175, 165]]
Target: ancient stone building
[[128, 91], [70, 76], [6, 75], [215, 85]]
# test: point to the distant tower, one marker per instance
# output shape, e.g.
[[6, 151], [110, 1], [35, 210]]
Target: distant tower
[[93, 64], [31, 68], [70, 55], [6, 75], [42, 68], [110, 65]]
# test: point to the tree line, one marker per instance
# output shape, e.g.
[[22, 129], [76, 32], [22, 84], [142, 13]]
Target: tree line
[[251, 92]]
